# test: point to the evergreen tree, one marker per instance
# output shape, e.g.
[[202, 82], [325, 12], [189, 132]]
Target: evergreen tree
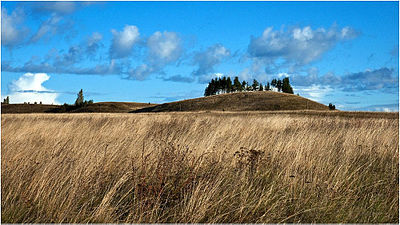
[[255, 85], [79, 99], [286, 88], [274, 82], [261, 87], [236, 84], [229, 86], [6, 100], [224, 86], [244, 86], [248, 87], [267, 87], [279, 85]]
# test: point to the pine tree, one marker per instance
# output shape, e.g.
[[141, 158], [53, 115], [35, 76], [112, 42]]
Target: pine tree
[[274, 83], [229, 85], [6, 100], [244, 86], [267, 87], [261, 87], [279, 85], [79, 99], [255, 85], [286, 88], [236, 84]]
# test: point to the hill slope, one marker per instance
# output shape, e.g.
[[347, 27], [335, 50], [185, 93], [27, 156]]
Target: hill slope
[[242, 101], [108, 107]]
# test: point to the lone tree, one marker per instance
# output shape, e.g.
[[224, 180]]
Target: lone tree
[[79, 99]]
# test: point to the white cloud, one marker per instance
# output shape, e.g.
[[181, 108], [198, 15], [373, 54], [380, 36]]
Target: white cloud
[[209, 58], [314, 92], [93, 43], [123, 41], [10, 33], [165, 47], [298, 45], [29, 88]]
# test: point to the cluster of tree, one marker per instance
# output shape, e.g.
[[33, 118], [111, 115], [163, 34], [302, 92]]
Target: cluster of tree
[[80, 102], [225, 85], [6, 100], [331, 106]]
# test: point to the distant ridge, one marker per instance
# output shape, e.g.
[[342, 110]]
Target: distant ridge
[[98, 107], [240, 101]]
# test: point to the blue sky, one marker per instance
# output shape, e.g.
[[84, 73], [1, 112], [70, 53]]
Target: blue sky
[[345, 53]]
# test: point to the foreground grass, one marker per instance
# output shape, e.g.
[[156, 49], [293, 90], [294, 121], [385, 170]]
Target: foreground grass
[[199, 167]]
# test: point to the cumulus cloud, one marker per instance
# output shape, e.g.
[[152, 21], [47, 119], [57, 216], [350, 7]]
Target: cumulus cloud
[[163, 49], [382, 78], [93, 44], [123, 41], [29, 88], [208, 59], [314, 92], [297, 45], [11, 31], [141, 72], [378, 79]]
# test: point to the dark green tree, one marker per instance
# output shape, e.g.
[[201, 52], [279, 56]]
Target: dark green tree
[[236, 84], [79, 100], [274, 82], [6, 100], [279, 85], [267, 87], [255, 84], [286, 88], [229, 86], [244, 86], [261, 87]]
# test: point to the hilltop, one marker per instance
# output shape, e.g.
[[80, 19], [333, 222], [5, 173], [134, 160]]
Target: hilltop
[[240, 101]]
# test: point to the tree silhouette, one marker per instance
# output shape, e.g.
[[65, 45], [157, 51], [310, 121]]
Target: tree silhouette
[[79, 99], [286, 88], [255, 84]]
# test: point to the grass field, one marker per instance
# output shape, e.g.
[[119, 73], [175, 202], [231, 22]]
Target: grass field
[[211, 167]]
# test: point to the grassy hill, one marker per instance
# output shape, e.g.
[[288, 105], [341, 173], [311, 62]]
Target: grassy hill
[[242, 101], [109, 107], [25, 108]]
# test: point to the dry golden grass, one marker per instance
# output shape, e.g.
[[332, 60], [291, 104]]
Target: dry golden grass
[[199, 167]]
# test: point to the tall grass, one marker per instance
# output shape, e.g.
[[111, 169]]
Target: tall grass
[[199, 167]]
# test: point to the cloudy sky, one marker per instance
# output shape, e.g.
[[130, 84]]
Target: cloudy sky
[[345, 53]]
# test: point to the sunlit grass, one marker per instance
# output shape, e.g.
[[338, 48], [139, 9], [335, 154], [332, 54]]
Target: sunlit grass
[[199, 167]]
